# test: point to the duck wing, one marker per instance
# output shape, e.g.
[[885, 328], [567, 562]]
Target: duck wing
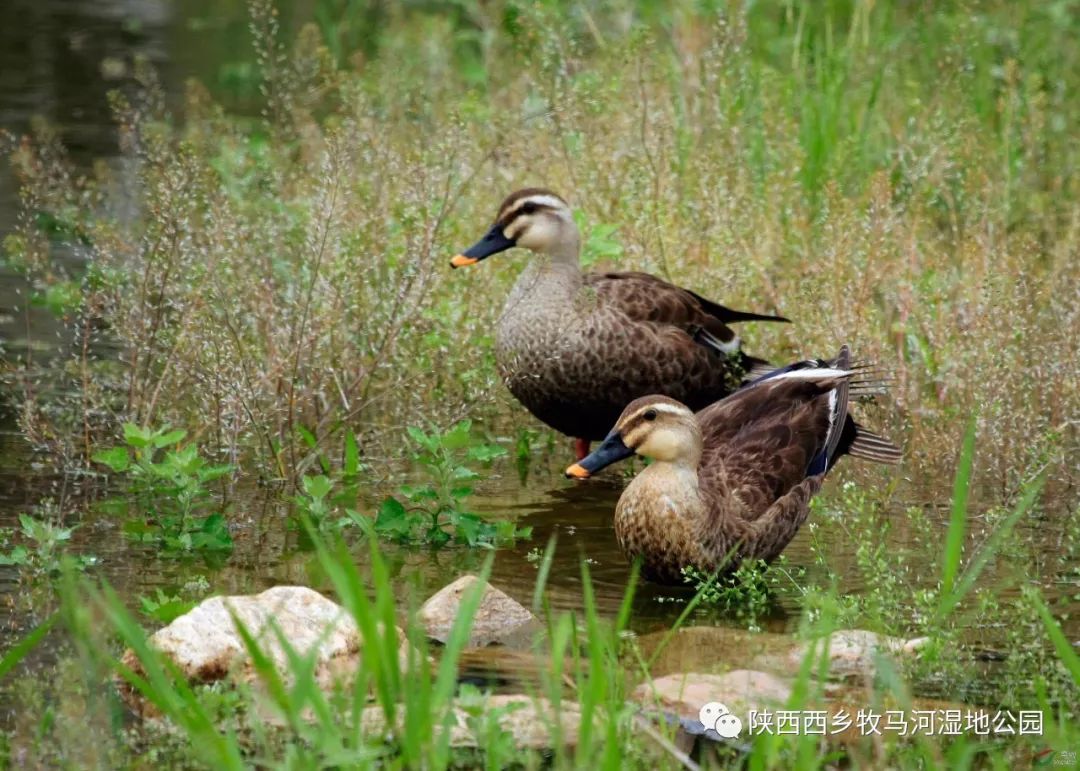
[[643, 297], [764, 440]]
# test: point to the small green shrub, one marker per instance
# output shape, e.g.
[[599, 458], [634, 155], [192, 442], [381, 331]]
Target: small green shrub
[[170, 486], [43, 546], [745, 593], [431, 512]]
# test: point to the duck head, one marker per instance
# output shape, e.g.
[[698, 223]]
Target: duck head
[[533, 218], [655, 427]]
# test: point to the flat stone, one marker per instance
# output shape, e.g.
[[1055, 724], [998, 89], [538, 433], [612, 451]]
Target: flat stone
[[741, 690], [854, 652], [712, 649], [500, 619], [529, 721], [206, 647]]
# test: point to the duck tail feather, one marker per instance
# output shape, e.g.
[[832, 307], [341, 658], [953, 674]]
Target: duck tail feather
[[874, 447], [838, 404]]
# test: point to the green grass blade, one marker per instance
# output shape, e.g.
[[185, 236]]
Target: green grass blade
[[954, 539], [19, 651], [1066, 653], [990, 547], [542, 574]]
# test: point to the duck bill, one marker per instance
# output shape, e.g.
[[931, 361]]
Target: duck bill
[[611, 450], [494, 242]]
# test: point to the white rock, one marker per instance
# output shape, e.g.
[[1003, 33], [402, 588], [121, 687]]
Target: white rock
[[499, 618], [740, 690], [852, 652], [205, 645]]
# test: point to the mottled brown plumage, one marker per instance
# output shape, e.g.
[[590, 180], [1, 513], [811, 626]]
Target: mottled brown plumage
[[733, 482], [575, 347]]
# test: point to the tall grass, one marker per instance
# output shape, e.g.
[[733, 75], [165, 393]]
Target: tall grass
[[900, 179], [398, 710]]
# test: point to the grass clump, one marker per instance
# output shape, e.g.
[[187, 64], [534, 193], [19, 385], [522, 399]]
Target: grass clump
[[287, 719]]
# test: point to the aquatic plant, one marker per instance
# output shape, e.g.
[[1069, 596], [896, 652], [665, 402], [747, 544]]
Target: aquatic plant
[[430, 512], [169, 483], [436, 512], [43, 548], [746, 593]]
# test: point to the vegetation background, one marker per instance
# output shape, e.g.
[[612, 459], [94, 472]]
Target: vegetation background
[[263, 268]]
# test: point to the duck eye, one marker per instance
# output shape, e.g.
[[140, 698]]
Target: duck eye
[[529, 208], [650, 415]]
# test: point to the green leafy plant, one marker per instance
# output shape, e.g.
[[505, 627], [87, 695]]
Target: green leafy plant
[[42, 548], [746, 592], [328, 502], [164, 607], [170, 484], [600, 243], [433, 512]]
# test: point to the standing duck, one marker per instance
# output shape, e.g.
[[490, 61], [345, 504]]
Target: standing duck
[[733, 482], [576, 347]]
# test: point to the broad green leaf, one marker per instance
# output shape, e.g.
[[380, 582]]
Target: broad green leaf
[[30, 526], [458, 436], [318, 487], [485, 453], [116, 458], [464, 472], [210, 473], [469, 528], [135, 436], [419, 492], [429, 443], [392, 519], [170, 438], [17, 556]]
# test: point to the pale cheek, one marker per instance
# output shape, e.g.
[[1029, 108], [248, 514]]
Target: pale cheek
[[662, 445], [536, 235]]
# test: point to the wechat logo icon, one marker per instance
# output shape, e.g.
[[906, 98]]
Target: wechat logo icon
[[716, 716]]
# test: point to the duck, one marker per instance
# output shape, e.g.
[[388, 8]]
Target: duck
[[733, 482], [574, 347]]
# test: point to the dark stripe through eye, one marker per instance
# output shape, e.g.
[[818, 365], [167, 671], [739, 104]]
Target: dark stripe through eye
[[650, 415]]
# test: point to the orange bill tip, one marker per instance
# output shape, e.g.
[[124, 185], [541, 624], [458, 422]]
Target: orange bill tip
[[577, 471], [460, 261]]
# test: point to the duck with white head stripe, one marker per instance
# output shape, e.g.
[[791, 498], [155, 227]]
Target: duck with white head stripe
[[574, 347], [733, 482]]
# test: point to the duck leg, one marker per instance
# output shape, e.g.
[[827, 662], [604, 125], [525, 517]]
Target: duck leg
[[581, 447]]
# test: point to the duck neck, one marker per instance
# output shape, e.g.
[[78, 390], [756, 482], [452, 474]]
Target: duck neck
[[677, 479], [554, 274], [567, 250]]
